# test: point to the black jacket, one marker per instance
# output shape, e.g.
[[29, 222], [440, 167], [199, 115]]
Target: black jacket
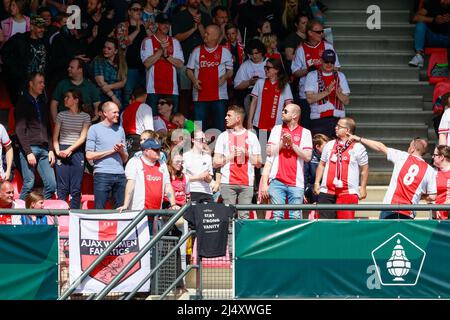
[[29, 129]]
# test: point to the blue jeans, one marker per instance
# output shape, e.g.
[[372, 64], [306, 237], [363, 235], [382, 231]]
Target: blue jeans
[[153, 98], [218, 110], [106, 183], [135, 77], [423, 36], [278, 192], [69, 176], [43, 167]]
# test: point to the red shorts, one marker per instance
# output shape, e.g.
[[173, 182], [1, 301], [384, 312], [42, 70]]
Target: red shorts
[[346, 199]]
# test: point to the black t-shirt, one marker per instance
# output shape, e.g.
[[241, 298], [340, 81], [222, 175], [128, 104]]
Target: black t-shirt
[[182, 22], [293, 40], [133, 55], [434, 8], [210, 220]]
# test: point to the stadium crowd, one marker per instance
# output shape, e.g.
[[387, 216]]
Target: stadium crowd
[[165, 102]]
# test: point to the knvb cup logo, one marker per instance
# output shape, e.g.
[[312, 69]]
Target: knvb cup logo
[[398, 261]]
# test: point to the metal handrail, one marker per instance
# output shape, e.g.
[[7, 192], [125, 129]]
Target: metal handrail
[[160, 264], [103, 255], [356, 207], [142, 252]]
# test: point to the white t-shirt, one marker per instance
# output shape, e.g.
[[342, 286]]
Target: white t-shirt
[[19, 27], [194, 164], [234, 172], [134, 170], [247, 70], [352, 158], [444, 125], [411, 178]]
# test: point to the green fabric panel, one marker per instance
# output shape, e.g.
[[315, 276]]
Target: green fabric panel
[[337, 259], [29, 262]]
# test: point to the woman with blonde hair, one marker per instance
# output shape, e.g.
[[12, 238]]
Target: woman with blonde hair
[[110, 71]]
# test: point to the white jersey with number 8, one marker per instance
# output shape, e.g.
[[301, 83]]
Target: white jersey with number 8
[[411, 178]]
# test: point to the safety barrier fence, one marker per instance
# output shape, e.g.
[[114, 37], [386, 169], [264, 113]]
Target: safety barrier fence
[[223, 292]]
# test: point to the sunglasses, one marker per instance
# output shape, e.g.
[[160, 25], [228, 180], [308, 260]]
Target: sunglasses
[[284, 111], [317, 31], [137, 9], [328, 62]]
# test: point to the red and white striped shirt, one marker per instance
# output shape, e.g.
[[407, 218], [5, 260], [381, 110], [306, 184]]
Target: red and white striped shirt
[[411, 178], [270, 103], [287, 167], [306, 56], [208, 66], [161, 76], [327, 107], [238, 171], [349, 169], [137, 118], [150, 182]]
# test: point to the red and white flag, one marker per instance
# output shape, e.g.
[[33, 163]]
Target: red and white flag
[[90, 235]]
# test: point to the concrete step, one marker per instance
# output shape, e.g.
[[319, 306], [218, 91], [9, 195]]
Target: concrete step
[[374, 58], [385, 101], [392, 130], [387, 87], [387, 30], [364, 4], [360, 16], [373, 43], [392, 72], [386, 115]]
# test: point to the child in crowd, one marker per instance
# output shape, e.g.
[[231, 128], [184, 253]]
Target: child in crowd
[[319, 141], [34, 200]]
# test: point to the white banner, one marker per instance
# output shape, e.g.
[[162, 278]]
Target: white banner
[[91, 234]]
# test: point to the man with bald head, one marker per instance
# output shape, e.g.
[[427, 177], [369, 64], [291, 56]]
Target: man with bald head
[[343, 166], [412, 176], [210, 66], [7, 202], [105, 146], [289, 146]]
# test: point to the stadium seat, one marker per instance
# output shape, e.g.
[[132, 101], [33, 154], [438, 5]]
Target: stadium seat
[[437, 56], [90, 204], [440, 89], [87, 186], [219, 262], [63, 221]]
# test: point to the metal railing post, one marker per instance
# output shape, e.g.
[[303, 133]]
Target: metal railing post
[[160, 264], [142, 252]]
